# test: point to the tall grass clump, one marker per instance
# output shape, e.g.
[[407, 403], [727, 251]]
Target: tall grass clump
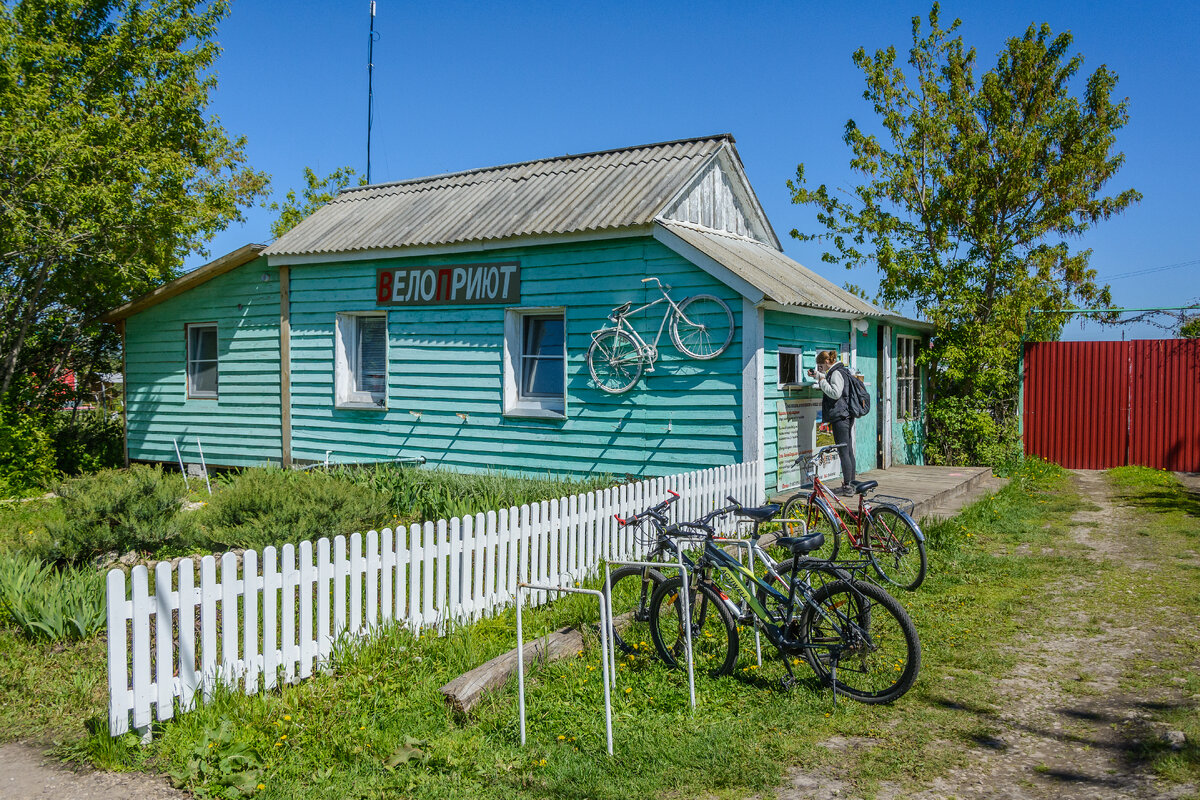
[[272, 506], [51, 604], [416, 494], [115, 510]]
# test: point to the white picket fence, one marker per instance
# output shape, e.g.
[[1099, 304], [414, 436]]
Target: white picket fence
[[276, 618]]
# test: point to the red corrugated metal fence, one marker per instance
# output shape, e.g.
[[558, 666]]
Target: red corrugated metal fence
[[1095, 405]]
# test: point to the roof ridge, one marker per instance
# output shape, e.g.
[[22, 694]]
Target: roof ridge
[[566, 157]]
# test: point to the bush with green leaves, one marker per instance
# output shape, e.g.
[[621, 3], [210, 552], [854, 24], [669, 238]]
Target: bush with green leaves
[[273, 506], [114, 510], [51, 604], [417, 494], [88, 441], [26, 454]]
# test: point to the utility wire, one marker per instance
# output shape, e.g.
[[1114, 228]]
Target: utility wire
[[1135, 273]]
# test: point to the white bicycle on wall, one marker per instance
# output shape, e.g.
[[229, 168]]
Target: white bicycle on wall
[[701, 327]]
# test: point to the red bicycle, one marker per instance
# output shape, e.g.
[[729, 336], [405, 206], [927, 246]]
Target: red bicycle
[[883, 532]]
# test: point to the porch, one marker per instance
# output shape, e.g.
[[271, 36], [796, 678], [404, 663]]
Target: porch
[[935, 491]]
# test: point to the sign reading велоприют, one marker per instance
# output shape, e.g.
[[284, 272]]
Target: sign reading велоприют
[[450, 284]]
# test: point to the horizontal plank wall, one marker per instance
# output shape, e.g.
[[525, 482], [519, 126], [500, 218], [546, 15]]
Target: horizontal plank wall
[[241, 426], [783, 329], [445, 371]]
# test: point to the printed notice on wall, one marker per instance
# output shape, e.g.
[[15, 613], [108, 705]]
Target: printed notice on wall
[[451, 284], [798, 433]]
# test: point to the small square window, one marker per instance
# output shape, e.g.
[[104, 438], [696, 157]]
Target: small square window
[[361, 371], [535, 362], [202, 361]]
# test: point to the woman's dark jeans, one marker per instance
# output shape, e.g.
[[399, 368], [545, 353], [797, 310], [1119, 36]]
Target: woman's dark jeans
[[841, 435]]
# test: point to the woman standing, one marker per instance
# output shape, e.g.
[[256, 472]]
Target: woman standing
[[832, 378]]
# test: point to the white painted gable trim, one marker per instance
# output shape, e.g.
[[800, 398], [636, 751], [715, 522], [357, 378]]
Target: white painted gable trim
[[710, 265], [726, 162]]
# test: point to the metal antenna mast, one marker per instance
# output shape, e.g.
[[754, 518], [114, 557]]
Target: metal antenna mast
[[370, 86]]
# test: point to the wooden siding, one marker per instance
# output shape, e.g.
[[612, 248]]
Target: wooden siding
[[241, 426], [782, 329], [445, 361]]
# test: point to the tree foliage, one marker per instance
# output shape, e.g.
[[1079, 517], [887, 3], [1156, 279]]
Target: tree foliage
[[317, 192], [1190, 328], [970, 193], [110, 172]]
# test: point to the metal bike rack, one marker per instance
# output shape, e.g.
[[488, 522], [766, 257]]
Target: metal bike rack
[[749, 545], [687, 610], [605, 650]]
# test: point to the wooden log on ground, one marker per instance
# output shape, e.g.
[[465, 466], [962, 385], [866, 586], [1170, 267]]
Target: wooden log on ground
[[464, 692]]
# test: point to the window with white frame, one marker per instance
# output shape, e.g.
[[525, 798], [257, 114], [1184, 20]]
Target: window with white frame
[[908, 377], [361, 364], [791, 365], [202, 360], [535, 362]]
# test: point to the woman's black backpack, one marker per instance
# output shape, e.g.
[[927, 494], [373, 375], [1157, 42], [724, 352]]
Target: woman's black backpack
[[858, 399]]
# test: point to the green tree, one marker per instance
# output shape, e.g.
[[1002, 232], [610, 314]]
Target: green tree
[[317, 192], [1190, 328], [970, 193], [110, 172]]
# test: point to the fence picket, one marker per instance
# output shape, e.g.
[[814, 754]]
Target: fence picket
[[141, 647], [250, 588], [305, 579], [415, 558], [120, 699], [270, 605], [164, 647], [324, 620], [387, 567], [428, 609], [208, 624], [289, 580]]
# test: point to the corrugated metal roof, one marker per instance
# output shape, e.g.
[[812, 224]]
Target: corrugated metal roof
[[780, 278], [588, 192]]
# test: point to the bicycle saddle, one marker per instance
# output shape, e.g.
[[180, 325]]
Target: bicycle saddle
[[760, 514], [801, 544], [862, 487], [622, 309]]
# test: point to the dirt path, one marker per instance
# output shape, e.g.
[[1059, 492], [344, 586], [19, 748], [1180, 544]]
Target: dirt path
[[1053, 746], [25, 774]]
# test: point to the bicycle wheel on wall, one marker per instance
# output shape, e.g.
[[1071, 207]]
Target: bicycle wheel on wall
[[896, 551], [631, 589], [819, 518], [714, 632], [861, 631], [703, 327], [614, 361]]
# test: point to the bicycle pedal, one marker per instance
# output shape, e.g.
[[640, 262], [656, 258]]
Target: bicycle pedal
[[788, 683]]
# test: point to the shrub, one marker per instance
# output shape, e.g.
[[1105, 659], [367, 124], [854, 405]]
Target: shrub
[[90, 441], [273, 506], [50, 604], [26, 454], [119, 510], [416, 494]]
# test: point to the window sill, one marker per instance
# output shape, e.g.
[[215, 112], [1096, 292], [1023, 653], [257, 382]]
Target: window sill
[[535, 412], [360, 406]]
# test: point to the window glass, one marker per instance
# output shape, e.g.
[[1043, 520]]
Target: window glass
[[542, 356], [908, 378], [202, 360], [371, 375]]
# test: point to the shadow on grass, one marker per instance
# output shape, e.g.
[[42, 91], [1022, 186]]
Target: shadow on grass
[[1166, 501]]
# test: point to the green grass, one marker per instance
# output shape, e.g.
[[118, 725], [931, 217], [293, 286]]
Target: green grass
[[378, 725]]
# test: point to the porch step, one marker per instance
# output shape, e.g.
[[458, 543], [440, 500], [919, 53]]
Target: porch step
[[950, 506]]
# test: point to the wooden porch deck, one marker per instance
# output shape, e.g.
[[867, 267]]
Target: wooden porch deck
[[935, 491]]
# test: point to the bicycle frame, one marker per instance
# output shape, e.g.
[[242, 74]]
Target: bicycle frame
[[857, 537], [649, 352]]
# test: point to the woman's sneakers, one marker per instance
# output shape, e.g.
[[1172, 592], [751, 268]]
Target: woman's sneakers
[[846, 490]]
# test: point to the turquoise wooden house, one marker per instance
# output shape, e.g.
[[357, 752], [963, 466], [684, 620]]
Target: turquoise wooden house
[[450, 318]]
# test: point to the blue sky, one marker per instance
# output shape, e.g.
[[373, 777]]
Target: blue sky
[[471, 84]]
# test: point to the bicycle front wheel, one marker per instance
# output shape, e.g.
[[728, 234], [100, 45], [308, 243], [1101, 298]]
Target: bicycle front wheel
[[703, 327], [631, 589], [614, 361], [861, 640], [896, 551], [714, 632], [819, 519]]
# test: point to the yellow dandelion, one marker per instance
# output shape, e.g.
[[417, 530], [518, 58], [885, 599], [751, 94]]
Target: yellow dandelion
[[287, 717], [283, 738], [261, 786], [561, 738], [628, 689]]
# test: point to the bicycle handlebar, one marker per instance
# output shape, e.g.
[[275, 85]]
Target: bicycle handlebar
[[657, 511]]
